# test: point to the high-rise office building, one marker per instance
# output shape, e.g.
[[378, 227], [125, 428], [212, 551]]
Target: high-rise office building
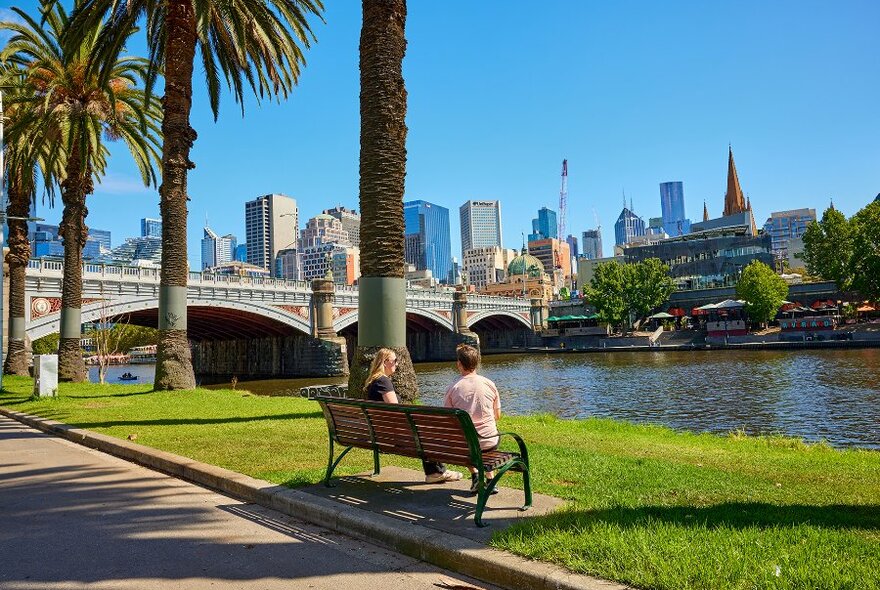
[[628, 226], [351, 222], [783, 226], [151, 228], [486, 265], [45, 242], [544, 226], [271, 224], [572, 242], [591, 245], [240, 254], [323, 229], [480, 225], [427, 238], [217, 250], [672, 206]]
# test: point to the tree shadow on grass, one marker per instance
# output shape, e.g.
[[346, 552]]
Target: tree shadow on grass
[[738, 515]]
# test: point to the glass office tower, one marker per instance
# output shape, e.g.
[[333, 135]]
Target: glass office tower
[[428, 244]]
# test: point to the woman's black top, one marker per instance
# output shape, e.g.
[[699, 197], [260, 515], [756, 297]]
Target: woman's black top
[[378, 387]]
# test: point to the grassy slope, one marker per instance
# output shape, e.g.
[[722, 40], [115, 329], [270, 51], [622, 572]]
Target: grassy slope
[[649, 506]]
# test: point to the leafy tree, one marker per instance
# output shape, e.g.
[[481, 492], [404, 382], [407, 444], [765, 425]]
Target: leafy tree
[[48, 344], [650, 286], [84, 97], [828, 248], [865, 263], [763, 291], [30, 152], [607, 291], [622, 292], [255, 43]]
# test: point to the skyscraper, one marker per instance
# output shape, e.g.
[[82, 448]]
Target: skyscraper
[[151, 228], [572, 242], [592, 244], [427, 238], [544, 226], [784, 226], [217, 250], [480, 225], [672, 207], [628, 226], [271, 224], [351, 222]]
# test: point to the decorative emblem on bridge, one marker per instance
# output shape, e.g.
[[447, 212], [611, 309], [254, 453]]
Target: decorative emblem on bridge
[[299, 310], [43, 306], [338, 312]]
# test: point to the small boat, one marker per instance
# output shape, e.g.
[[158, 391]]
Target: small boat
[[128, 377]]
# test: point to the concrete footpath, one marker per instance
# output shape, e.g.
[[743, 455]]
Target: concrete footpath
[[430, 523]]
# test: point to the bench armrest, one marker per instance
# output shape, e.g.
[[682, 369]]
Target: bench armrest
[[523, 451]]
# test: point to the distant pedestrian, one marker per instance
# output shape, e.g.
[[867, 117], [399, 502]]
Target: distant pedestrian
[[477, 396], [379, 388]]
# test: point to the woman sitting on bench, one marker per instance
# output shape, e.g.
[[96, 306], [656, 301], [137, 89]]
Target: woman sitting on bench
[[379, 388]]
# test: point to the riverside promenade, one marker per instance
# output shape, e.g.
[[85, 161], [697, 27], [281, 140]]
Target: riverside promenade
[[73, 516]]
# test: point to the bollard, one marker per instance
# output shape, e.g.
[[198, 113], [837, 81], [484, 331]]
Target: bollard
[[46, 375]]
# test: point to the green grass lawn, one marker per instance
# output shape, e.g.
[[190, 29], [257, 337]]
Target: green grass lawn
[[648, 505]]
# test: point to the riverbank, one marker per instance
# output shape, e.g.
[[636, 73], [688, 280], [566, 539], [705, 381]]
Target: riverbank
[[647, 505]]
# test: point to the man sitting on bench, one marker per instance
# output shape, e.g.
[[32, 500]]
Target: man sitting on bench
[[479, 397]]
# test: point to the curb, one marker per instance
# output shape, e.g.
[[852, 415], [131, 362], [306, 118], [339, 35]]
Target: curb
[[435, 547]]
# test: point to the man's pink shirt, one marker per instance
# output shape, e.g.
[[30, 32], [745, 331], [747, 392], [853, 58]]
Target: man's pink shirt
[[479, 397]]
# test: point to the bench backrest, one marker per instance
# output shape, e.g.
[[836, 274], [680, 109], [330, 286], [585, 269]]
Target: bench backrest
[[446, 435]]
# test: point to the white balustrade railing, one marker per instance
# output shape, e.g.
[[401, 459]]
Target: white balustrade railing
[[345, 294]]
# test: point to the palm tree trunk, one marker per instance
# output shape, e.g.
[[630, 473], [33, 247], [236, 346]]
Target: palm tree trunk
[[174, 360], [73, 231], [17, 259], [382, 302]]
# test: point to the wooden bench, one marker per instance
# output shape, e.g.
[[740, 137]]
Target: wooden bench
[[445, 435]]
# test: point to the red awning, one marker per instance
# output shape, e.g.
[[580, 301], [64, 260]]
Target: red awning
[[677, 312], [697, 311]]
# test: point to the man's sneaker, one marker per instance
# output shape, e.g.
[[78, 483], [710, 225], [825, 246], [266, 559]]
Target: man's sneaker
[[475, 485], [443, 477]]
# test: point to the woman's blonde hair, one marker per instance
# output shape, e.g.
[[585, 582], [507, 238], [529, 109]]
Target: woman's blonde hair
[[377, 367]]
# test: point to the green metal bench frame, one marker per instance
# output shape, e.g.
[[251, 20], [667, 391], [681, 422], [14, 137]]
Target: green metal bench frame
[[406, 417]]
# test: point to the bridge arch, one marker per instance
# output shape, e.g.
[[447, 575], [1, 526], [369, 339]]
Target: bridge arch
[[500, 317], [350, 319], [207, 319]]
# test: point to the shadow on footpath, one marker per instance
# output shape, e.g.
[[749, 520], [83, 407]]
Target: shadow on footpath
[[68, 516]]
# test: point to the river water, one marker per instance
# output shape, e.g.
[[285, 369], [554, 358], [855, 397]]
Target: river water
[[831, 395]]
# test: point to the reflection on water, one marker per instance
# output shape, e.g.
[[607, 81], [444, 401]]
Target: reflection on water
[[820, 394]]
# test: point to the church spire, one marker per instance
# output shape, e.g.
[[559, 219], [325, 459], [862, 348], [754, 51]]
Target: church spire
[[733, 200], [705, 211]]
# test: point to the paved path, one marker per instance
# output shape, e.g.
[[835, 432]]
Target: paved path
[[71, 517]]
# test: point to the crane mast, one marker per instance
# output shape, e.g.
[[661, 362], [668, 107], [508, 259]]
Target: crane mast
[[563, 202]]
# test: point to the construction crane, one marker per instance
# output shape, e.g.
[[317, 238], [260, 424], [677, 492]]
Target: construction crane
[[563, 201]]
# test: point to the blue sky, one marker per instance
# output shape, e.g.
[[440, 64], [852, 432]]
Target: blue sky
[[631, 93]]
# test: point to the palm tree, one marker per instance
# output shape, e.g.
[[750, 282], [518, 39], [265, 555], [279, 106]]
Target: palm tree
[[258, 43], [382, 302], [28, 153], [81, 99]]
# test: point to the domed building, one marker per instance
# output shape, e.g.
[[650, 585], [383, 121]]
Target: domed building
[[525, 278], [525, 264]]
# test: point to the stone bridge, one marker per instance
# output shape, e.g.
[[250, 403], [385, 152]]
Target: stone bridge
[[243, 325]]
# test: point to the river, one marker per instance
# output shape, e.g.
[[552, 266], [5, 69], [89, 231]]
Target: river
[[831, 395]]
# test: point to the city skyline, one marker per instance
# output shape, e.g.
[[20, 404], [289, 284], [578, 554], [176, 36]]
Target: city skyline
[[797, 108]]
